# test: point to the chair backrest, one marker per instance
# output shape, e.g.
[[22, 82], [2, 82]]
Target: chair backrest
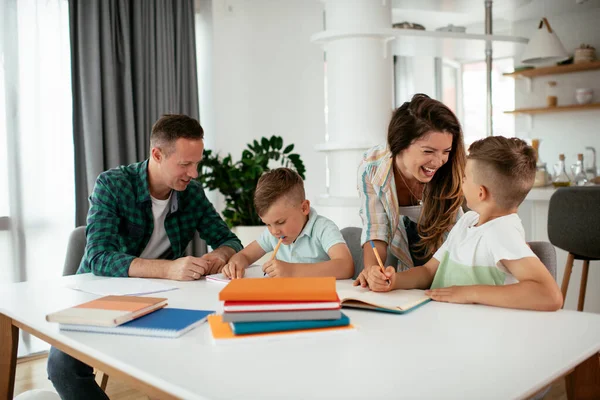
[[547, 255], [351, 235], [574, 220], [75, 251]]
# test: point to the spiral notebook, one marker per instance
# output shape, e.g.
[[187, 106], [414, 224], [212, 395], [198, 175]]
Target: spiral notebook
[[166, 322]]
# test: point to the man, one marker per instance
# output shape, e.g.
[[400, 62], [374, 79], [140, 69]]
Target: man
[[141, 219]]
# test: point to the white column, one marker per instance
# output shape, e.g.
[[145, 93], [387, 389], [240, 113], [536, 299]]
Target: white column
[[359, 96]]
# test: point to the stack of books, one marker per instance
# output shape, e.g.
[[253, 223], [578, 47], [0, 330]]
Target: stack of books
[[258, 307], [129, 315]]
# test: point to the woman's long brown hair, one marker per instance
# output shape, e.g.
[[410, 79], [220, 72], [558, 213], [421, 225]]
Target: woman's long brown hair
[[442, 196]]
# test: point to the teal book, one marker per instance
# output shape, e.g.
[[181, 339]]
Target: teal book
[[246, 328], [166, 322]]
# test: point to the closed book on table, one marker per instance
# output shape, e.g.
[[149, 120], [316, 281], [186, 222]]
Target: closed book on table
[[246, 306], [281, 315], [394, 301], [166, 322], [222, 333], [246, 328], [280, 289], [108, 310]]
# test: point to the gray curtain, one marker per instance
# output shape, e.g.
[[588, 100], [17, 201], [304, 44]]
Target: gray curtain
[[132, 61]]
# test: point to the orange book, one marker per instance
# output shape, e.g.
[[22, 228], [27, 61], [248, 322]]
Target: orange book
[[108, 310], [221, 331], [280, 289]]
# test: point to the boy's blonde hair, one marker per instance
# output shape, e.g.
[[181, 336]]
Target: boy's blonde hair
[[506, 167], [275, 184]]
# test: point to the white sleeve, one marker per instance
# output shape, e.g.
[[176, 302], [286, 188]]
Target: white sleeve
[[507, 242]]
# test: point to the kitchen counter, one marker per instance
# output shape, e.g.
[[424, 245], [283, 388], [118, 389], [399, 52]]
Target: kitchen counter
[[540, 193]]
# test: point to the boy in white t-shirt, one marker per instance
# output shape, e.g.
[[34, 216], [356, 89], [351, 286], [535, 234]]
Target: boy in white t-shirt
[[485, 259]]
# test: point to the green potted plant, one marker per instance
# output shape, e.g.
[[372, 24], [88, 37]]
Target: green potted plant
[[236, 181]]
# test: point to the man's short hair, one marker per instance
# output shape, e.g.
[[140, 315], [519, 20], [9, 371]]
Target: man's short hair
[[275, 184], [506, 167], [171, 127]]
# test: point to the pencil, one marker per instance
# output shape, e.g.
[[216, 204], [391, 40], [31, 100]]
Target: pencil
[[379, 260], [275, 251]]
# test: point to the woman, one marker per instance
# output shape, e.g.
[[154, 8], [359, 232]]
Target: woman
[[410, 190]]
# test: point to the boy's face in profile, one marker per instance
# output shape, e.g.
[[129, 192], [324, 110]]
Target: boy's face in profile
[[286, 218], [470, 188]]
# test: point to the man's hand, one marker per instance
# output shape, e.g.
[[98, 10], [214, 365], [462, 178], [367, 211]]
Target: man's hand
[[453, 294], [216, 261], [278, 268], [187, 269]]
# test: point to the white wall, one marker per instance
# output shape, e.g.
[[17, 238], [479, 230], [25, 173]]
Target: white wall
[[265, 77], [567, 132]]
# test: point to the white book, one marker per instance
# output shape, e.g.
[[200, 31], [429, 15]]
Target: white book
[[253, 271]]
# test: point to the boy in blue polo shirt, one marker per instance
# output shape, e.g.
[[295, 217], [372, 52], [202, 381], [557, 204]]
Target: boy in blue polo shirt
[[311, 245]]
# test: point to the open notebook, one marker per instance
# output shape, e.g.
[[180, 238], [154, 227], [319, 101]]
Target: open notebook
[[395, 301], [253, 271]]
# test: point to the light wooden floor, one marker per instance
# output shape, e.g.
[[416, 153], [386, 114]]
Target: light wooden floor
[[31, 374]]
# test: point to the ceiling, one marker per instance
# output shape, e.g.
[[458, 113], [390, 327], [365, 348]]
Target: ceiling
[[436, 13]]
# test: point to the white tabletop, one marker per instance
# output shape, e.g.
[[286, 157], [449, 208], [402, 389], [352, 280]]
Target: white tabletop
[[437, 351]]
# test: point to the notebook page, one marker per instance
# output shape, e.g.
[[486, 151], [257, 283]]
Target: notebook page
[[253, 271], [122, 286], [395, 299]]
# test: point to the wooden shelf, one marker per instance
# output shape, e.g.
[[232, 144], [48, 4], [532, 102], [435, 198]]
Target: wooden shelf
[[545, 110], [556, 70], [455, 45]]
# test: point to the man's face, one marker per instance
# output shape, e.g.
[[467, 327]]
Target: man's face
[[179, 167]]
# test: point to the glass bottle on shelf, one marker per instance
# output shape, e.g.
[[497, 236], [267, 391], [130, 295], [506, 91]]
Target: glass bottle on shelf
[[560, 173], [542, 177], [578, 170], [551, 94]]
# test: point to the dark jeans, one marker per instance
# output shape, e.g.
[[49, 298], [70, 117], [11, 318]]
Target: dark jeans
[[71, 378], [417, 255]]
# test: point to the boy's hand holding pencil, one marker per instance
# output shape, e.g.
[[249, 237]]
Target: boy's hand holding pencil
[[277, 268]]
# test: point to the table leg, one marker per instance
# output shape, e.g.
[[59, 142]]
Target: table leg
[[584, 382], [9, 342]]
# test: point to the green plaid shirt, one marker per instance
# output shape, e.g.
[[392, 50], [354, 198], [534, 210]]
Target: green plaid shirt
[[120, 221]]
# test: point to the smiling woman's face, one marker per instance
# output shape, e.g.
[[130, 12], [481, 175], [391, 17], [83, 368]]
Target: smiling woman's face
[[425, 156]]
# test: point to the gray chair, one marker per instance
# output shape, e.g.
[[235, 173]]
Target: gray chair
[[547, 255], [75, 252], [351, 235], [574, 226], [544, 250]]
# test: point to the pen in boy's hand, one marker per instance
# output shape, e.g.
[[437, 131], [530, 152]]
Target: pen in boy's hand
[[275, 251], [379, 261]]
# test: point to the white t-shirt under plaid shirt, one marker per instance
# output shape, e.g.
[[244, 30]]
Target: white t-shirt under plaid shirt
[[471, 255]]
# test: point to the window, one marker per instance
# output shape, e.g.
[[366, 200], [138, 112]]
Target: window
[[37, 196], [474, 100]]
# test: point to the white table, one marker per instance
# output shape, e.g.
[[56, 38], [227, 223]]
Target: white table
[[438, 351]]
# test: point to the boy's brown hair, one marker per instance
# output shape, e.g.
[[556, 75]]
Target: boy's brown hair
[[275, 184], [506, 167]]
